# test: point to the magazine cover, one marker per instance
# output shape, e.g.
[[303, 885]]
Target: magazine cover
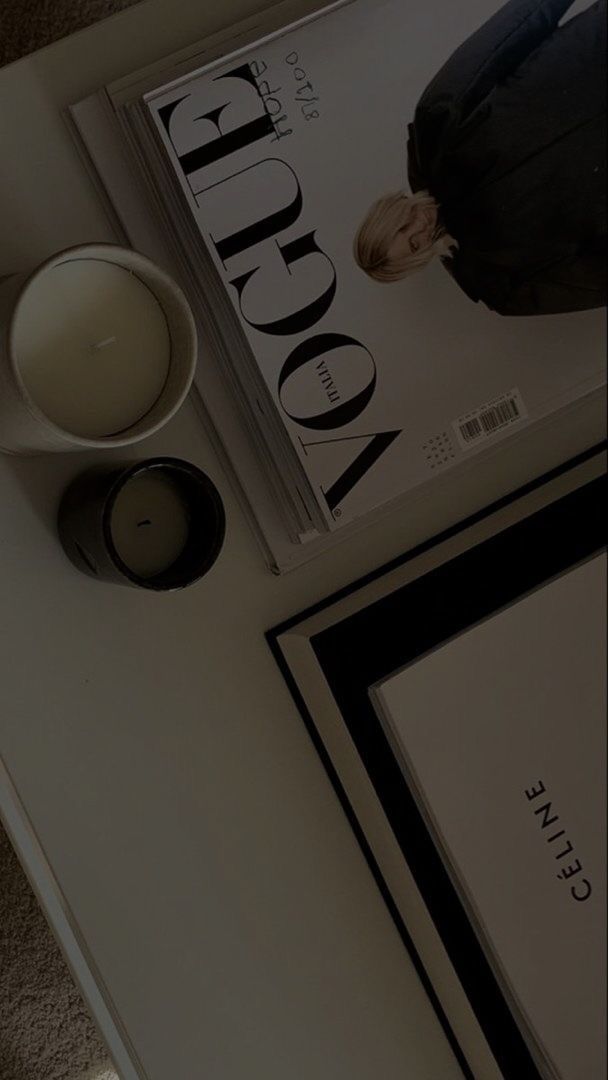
[[397, 336]]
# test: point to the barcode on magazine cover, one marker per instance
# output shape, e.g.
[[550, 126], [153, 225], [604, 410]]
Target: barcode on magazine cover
[[490, 418]]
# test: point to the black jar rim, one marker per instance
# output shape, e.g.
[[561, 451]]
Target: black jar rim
[[206, 520]]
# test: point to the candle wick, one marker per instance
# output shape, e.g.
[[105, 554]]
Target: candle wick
[[102, 344], [145, 522]]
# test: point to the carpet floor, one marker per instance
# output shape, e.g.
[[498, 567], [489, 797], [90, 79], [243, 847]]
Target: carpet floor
[[46, 1032], [27, 25]]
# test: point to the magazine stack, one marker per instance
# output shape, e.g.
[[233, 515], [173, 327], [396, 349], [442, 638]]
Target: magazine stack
[[246, 165]]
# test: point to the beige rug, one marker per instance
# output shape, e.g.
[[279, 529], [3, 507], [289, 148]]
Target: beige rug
[[26, 25], [46, 1032]]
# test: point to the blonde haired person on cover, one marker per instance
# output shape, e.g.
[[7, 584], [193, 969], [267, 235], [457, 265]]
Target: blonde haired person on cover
[[507, 165]]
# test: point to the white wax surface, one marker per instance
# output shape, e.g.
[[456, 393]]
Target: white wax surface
[[149, 524], [93, 346]]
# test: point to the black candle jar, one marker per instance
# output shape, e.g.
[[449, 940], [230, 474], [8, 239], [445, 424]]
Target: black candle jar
[[157, 524]]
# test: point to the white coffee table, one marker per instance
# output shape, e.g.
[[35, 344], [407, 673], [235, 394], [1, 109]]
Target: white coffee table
[[158, 781]]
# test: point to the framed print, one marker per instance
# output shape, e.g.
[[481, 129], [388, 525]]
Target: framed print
[[457, 699]]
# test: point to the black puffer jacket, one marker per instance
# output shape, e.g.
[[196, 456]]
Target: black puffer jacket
[[510, 138]]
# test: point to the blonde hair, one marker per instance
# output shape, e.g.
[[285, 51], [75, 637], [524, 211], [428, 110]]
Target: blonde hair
[[382, 223]]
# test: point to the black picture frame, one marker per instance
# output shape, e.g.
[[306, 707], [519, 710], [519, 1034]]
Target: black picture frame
[[357, 648]]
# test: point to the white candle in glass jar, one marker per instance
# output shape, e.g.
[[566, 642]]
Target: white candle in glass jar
[[93, 346], [97, 348], [149, 524]]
